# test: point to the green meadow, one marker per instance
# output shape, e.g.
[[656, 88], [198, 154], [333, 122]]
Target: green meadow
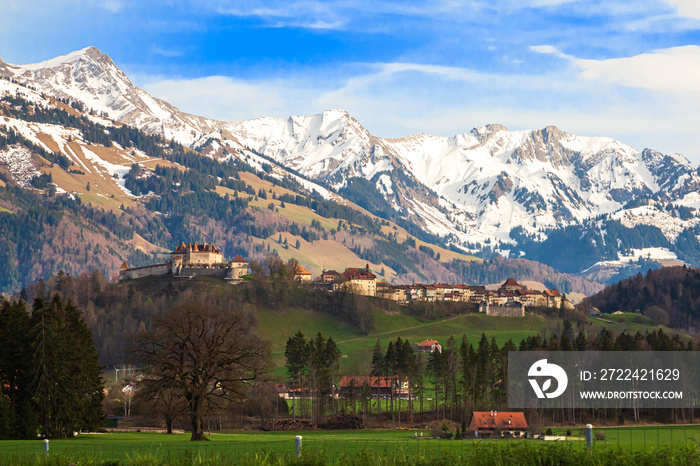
[[626, 445], [278, 326]]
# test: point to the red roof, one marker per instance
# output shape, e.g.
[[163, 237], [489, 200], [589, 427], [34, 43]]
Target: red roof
[[124, 266], [194, 247], [299, 270], [552, 293], [498, 420], [510, 282], [358, 274], [238, 258], [428, 343]]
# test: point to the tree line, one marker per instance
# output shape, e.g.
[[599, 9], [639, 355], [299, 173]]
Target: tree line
[[50, 378], [670, 296], [462, 378]]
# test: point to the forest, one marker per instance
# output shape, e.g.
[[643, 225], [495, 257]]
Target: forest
[[50, 378], [670, 295]]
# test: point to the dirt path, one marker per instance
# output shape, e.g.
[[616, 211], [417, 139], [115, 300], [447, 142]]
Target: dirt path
[[404, 329]]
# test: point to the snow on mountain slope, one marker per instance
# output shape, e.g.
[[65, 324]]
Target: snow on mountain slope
[[472, 187]]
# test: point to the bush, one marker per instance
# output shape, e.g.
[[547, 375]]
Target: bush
[[600, 435], [568, 432], [442, 429], [548, 431]]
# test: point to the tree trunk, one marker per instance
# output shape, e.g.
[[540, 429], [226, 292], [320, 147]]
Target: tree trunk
[[169, 424], [196, 417]]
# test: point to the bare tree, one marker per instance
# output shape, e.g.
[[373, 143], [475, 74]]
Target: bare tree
[[205, 354]]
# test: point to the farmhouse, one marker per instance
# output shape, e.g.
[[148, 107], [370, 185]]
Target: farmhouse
[[352, 385], [488, 424], [429, 346]]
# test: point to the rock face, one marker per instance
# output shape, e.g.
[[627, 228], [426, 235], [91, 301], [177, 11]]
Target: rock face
[[473, 187]]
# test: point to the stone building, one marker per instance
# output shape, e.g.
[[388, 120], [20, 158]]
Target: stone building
[[359, 281], [202, 255], [189, 261]]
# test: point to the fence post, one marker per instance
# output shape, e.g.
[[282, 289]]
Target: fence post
[[589, 436], [46, 446], [297, 445]]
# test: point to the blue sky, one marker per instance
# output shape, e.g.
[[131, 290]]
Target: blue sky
[[628, 70]]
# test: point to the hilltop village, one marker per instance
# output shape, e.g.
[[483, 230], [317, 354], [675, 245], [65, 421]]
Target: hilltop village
[[510, 299]]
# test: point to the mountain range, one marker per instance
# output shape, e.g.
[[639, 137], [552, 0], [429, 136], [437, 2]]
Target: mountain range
[[584, 205]]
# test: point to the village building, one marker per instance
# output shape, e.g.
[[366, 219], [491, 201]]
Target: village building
[[503, 424], [416, 292], [359, 281], [301, 274], [329, 276], [530, 298], [429, 346], [431, 293], [511, 285], [552, 297]]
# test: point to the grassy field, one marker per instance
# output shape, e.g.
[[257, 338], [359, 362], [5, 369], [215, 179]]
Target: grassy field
[[656, 445], [278, 326]]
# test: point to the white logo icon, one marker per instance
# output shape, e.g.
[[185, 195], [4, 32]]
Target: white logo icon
[[543, 369]]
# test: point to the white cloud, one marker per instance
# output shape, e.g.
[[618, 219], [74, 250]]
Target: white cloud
[[675, 70], [300, 14], [166, 52], [228, 99], [397, 99], [686, 8]]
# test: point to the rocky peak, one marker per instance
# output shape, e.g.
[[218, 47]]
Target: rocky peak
[[484, 133]]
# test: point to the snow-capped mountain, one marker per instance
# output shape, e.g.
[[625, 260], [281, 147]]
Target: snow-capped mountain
[[475, 187]]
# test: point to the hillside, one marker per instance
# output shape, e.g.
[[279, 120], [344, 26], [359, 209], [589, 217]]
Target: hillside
[[283, 307], [574, 203], [81, 191], [670, 295]]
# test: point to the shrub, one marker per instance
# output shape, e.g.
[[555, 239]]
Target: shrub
[[600, 435], [442, 429], [548, 431]]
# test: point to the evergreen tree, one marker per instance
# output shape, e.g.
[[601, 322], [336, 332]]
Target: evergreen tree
[[295, 355], [66, 385], [378, 371], [15, 364]]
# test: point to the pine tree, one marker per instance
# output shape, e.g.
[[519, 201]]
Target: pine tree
[[378, 372], [66, 376], [295, 355], [15, 364]]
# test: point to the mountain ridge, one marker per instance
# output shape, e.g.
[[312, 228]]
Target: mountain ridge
[[473, 189]]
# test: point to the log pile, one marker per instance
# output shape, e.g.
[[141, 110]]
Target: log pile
[[288, 424], [344, 422]]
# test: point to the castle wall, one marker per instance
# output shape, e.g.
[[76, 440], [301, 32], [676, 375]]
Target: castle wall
[[147, 271], [218, 272], [499, 310]]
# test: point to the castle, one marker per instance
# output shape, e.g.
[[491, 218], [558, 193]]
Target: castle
[[191, 260]]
